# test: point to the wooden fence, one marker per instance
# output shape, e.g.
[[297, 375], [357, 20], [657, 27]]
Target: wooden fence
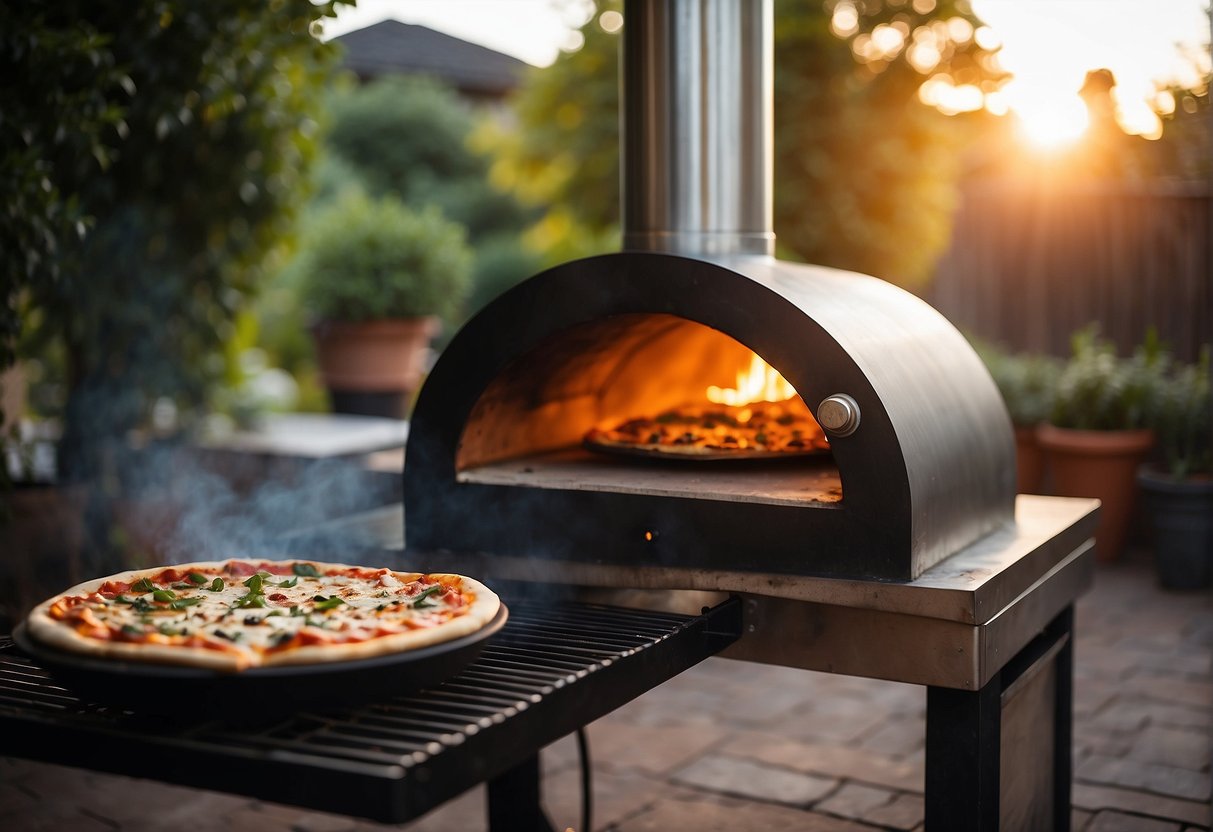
[[1029, 265]]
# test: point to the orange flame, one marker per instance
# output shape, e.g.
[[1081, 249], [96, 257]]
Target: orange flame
[[758, 383]]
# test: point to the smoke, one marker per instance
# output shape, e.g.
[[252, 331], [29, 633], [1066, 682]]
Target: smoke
[[190, 505]]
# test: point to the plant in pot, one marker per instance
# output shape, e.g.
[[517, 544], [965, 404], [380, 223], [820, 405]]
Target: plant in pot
[[379, 277], [1179, 490], [1026, 382], [1099, 429]]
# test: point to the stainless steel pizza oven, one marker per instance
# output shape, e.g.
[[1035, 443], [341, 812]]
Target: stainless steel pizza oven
[[921, 455]]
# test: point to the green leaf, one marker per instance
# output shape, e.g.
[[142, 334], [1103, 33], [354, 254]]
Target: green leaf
[[289, 583], [422, 599], [131, 630], [331, 603], [143, 585], [306, 570], [217, 585], [197, 578], [182, 603], [254, 583], [164, 595]]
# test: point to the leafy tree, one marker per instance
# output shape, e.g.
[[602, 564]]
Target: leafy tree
[[410, 138], [201, 122], [864, 170], [1185, 150], [58, 126]]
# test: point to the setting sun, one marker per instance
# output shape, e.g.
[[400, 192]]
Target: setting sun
[[1048, 48], [1049, 118]]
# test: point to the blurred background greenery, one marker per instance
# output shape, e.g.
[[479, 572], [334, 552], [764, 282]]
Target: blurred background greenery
[[166, 164]]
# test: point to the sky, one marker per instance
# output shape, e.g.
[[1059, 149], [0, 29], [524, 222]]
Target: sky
[[1048, 45]]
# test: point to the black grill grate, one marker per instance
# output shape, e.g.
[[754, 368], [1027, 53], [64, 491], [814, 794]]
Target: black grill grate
[[552, 669]]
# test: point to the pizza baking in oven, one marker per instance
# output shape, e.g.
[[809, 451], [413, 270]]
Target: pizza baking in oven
[[716, 431], [237, 614]]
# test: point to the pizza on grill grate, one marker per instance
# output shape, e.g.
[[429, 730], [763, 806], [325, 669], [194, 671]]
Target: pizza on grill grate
[[237, 614], [756, 430]]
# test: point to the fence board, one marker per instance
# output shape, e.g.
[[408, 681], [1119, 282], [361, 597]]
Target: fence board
[[1030, 264]]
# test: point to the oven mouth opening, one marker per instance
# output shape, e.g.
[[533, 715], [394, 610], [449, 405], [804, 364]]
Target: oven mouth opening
[[653, 404]]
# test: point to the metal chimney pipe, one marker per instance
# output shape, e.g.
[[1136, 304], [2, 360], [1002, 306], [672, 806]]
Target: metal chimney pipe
[[697, 126]]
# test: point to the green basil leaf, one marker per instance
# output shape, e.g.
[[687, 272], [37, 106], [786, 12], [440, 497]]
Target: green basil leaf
[[289, 583], [306, 570], [182, 603], [421, 601], [295, 611], [131, 630], [143, 585], [331, 603], [216, 585], [197, 578], [141, 605], [164, 595], [255, 582], [122, 599], [250, 600]]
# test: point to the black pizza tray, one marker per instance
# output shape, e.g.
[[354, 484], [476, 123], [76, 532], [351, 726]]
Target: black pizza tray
[[249, 695]]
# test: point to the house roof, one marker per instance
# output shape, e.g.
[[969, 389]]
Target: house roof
[[394, 47]]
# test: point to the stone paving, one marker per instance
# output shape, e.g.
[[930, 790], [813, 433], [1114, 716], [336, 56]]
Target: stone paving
[[731, 746]]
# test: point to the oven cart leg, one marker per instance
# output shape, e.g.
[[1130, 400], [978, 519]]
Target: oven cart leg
[[984, 770], [514, 800]]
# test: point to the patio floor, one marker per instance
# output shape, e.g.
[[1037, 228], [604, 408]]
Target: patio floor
[[733, 746]]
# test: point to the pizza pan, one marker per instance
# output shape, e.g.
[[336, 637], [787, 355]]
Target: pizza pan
[[172, 690], [657, 453]]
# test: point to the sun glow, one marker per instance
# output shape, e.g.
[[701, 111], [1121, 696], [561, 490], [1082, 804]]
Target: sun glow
[[1050, 121], [760, 382], [1048, 48]]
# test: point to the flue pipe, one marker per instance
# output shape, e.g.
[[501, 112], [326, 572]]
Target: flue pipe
[[697, 127]]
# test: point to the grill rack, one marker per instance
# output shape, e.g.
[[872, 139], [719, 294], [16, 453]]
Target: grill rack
[[552, 669]]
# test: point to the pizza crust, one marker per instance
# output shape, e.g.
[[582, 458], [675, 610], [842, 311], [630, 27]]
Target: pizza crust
[[45, 629]]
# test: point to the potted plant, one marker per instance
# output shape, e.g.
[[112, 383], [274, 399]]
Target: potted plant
[[378, 277], [1179, 490], [1099, 429], [1026, 382]]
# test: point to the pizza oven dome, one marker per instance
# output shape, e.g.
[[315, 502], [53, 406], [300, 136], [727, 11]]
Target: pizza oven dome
[[494, 459]]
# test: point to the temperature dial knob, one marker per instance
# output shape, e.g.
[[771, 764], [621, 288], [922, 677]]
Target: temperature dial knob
[[838, 415]]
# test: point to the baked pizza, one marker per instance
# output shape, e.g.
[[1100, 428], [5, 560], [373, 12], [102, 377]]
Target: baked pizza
[[238, 614], [759, 429]]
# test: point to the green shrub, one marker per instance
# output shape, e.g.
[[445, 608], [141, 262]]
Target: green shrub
[[366, 259], [1027, 382], [1097, 390], [1184, 423]]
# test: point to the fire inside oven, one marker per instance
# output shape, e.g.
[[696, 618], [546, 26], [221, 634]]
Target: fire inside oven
[[702, 411]]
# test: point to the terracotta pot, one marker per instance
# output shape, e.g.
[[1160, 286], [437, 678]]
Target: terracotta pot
[[1102, 464], [1181, 512], [377, 364], [1029, 461]]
